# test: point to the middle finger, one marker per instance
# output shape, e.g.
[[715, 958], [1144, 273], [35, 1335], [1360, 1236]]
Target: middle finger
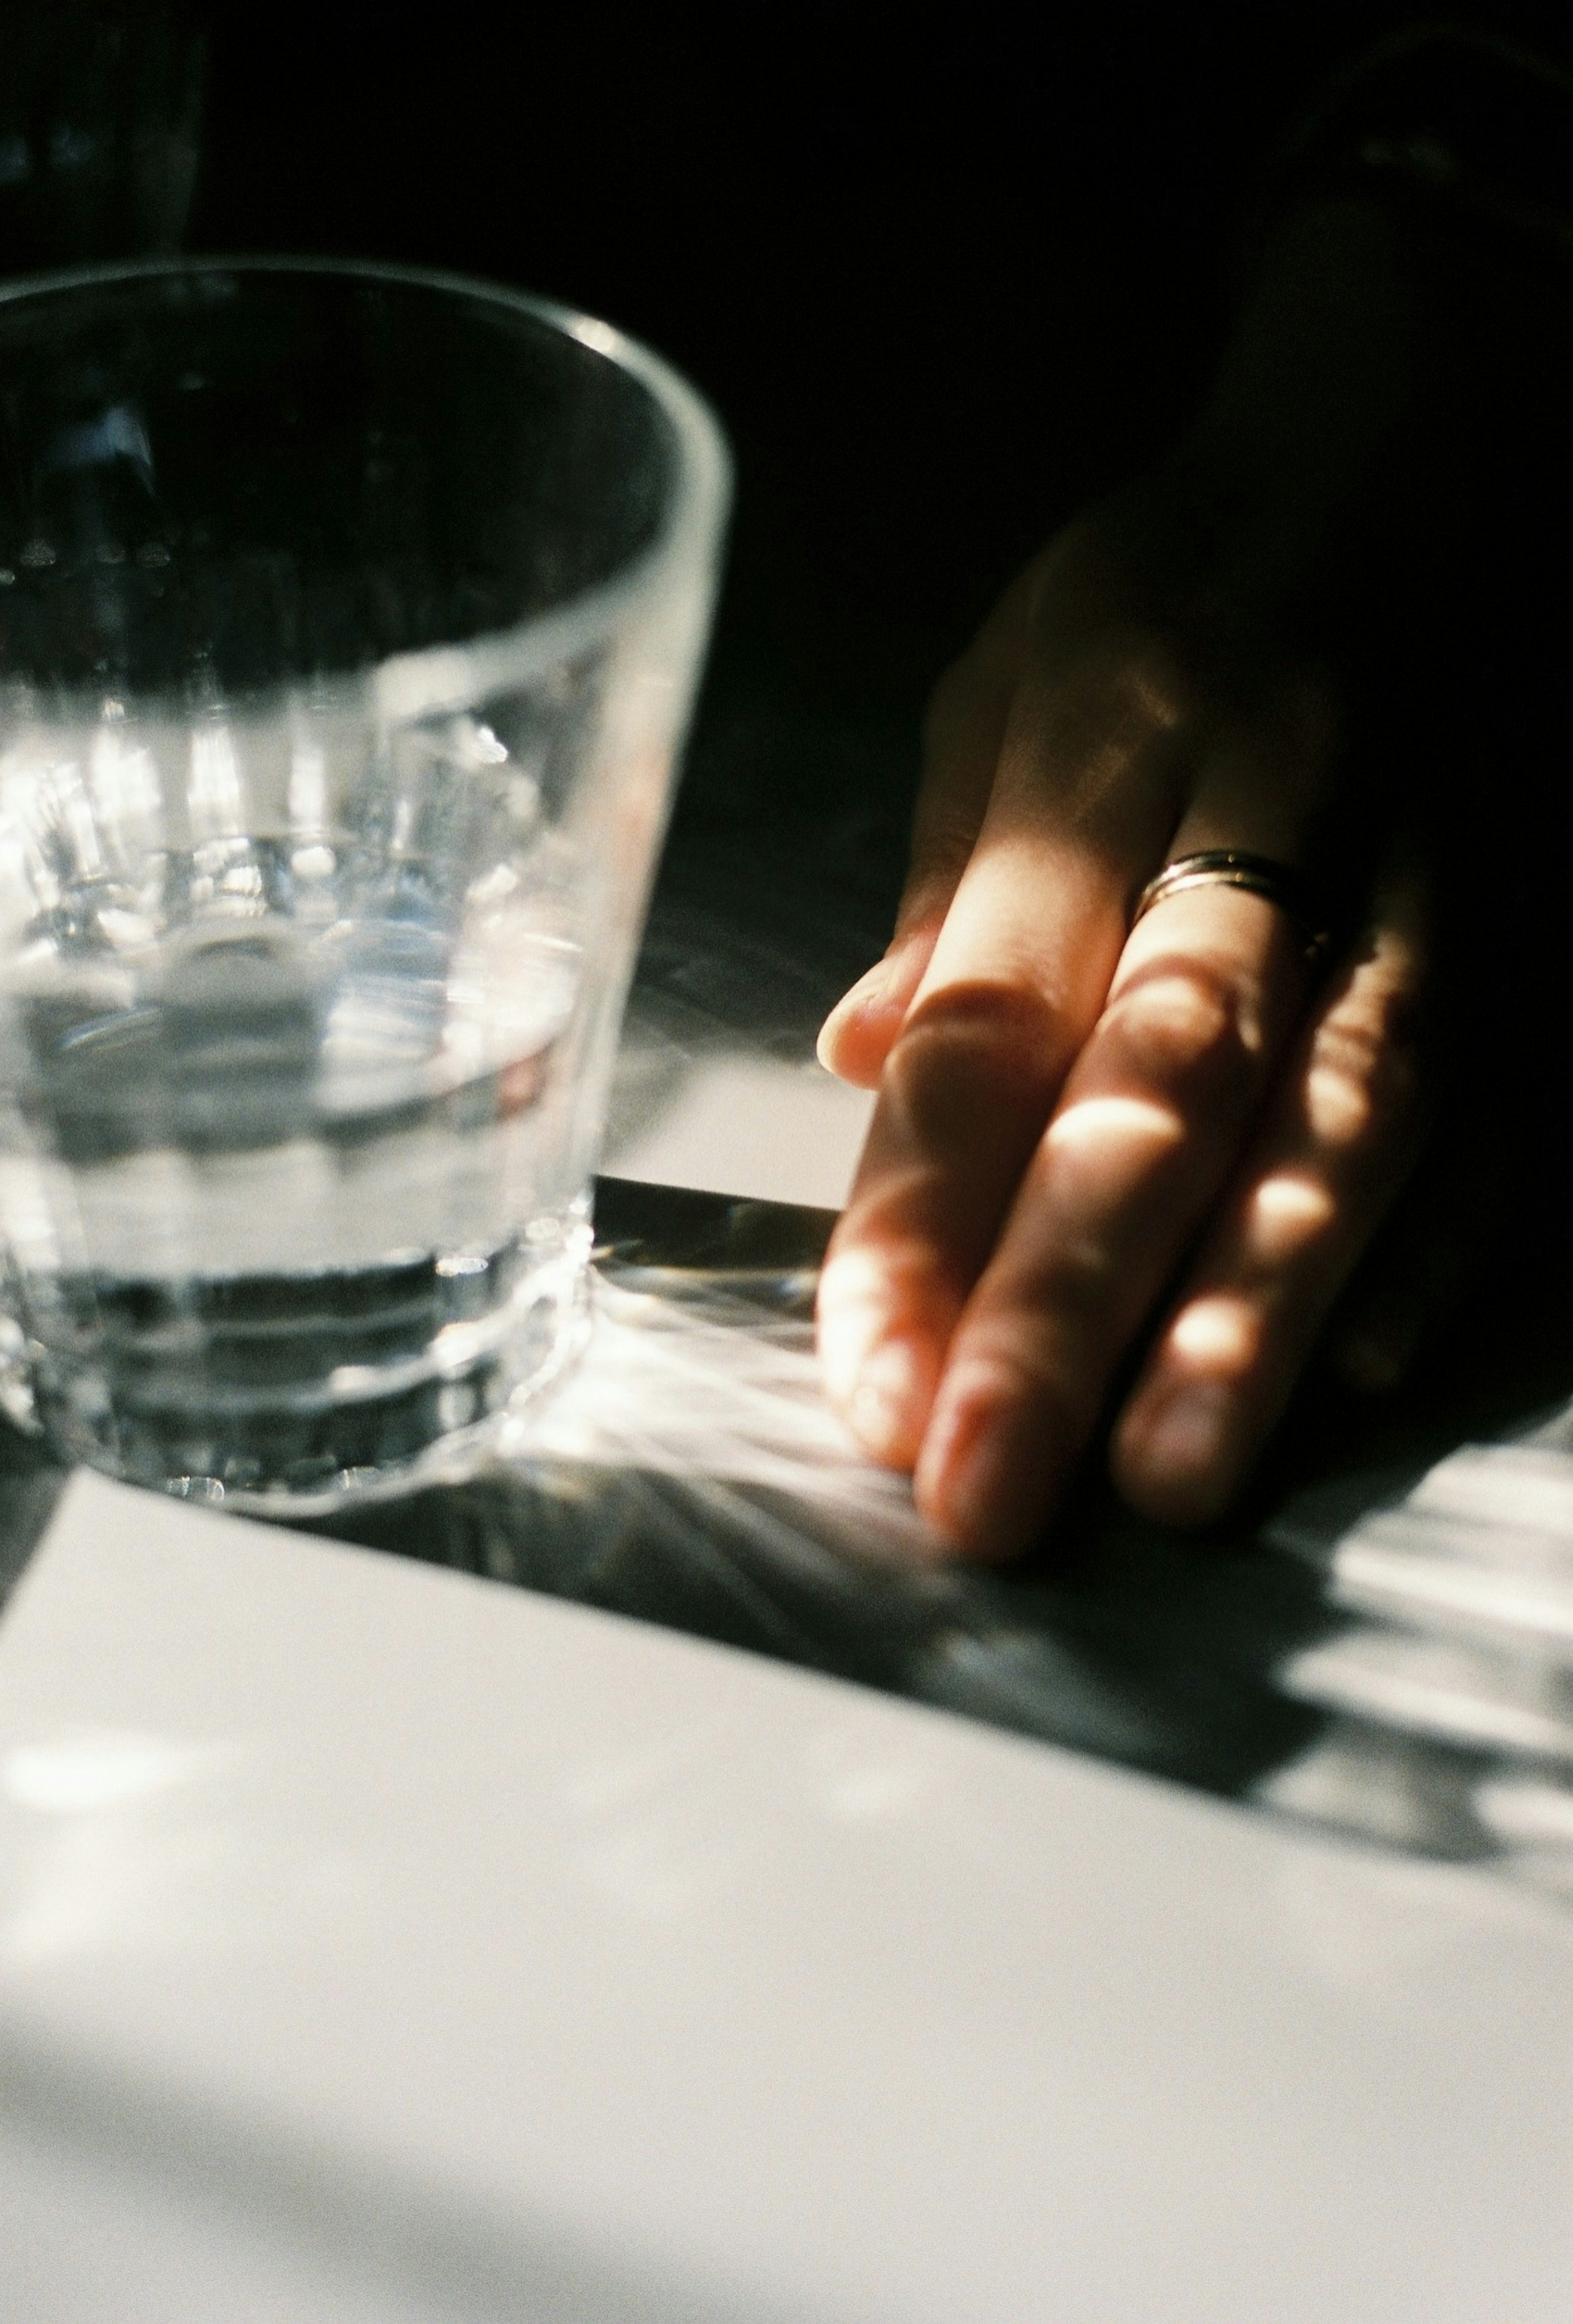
[[1143, 1138]]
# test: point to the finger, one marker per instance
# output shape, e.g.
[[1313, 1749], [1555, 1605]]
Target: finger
[[1145, 1133], [963, 732], [1089, 777], [861, 1030], [1341, 1136]]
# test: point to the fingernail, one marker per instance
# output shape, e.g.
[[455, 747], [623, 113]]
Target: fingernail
[[871, 985], [886, 990], [977, 1480], [863, 999], [1187, 1438], [889, 1401]]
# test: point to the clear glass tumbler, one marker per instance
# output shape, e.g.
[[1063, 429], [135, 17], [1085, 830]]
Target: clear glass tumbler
[[350, 620]]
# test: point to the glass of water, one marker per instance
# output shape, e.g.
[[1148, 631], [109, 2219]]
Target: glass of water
[[350, 620]]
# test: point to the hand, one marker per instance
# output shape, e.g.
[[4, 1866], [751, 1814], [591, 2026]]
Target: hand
[[1094, 1139]]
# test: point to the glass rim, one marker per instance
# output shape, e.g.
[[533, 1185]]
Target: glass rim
[[451, 677]]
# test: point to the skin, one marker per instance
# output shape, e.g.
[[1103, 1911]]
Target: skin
[[1150, 1153]]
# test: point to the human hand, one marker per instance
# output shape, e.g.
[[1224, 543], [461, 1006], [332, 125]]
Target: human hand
[[1094, 1140]]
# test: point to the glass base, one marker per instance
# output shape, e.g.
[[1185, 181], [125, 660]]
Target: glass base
[[364, 1431]]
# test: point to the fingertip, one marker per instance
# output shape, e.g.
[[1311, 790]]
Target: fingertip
[[861, 1030], [890, 1399], [1174, 1459], [879, 1366], [856, 1039], [980, 1478]]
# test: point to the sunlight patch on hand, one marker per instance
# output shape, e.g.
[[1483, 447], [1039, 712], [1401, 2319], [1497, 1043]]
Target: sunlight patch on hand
[[856, 1300], [1337, 1106], [1094, 1125], [1219, 1335], [1287, 1212]]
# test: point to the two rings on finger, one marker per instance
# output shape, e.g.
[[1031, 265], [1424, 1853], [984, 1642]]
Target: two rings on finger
[[1230, 867]]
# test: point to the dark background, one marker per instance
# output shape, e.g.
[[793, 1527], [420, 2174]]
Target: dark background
[[941, 277], [944, 273]]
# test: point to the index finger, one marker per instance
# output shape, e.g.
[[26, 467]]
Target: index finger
[[963, 731], [1085, 797]]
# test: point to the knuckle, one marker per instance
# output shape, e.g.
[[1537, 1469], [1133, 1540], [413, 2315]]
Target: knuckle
[[1073, 1293], [1050, 1327], [994, 1031], [974, 1069], [1157, 679], [1187, 1031], [1081, 1287], [1108, 704], [1011, 1361], [1128, 668], [1007, 1022], [1349, 1100], [1364, 1080]]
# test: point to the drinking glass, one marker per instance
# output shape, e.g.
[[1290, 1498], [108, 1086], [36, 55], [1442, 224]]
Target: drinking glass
[[350, 619]]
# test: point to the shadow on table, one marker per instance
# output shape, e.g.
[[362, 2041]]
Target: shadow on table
[[689, 1473], [1382, 1642]]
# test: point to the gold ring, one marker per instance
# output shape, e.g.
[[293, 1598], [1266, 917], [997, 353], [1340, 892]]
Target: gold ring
[[1230, 867]]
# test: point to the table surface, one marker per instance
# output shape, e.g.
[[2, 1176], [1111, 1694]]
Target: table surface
[[749, 1916]]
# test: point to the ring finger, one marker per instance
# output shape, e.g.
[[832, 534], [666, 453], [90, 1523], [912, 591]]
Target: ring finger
[[1340, 1138]]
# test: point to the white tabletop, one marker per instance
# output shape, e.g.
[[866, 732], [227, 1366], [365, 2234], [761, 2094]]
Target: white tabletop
[[379, 1943]]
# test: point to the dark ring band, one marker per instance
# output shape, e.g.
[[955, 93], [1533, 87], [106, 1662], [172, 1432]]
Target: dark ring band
[[1229, 867]]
